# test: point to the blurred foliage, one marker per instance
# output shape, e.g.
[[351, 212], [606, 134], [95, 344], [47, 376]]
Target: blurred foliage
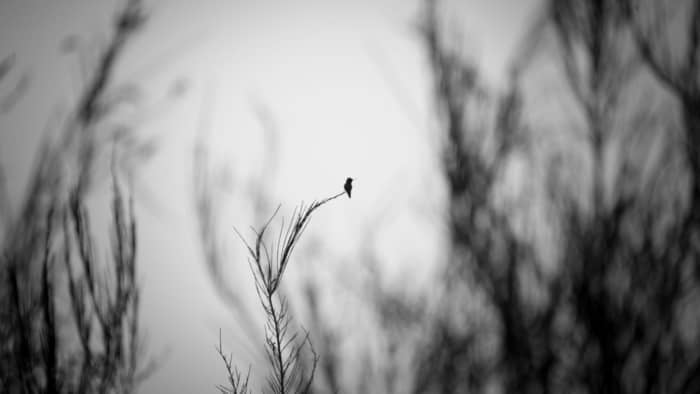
[[616, 314], [69, 321]]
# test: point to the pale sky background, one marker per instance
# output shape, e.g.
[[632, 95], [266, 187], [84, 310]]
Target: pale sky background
[[346, 84]]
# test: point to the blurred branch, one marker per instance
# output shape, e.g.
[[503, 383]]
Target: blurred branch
[[9, 100], [90, 105], [207, 211], [5, 209], [391, 79], [6, 65]]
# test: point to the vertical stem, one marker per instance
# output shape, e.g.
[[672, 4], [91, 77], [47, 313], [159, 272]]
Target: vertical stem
[[278, 342]]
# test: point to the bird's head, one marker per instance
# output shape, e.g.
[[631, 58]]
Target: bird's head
[[349, 180]]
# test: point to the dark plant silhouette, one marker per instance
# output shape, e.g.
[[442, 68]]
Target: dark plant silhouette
[[69, 322], [651, 24], [39, 349], [614, 314], [290, 372]]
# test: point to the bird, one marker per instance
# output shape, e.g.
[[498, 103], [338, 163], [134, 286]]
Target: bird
[[348, 187]]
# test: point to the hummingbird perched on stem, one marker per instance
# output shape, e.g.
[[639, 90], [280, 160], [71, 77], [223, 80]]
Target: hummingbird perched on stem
[[348, 187]]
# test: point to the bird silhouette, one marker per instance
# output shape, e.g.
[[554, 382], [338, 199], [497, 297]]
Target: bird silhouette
[[348, 187]]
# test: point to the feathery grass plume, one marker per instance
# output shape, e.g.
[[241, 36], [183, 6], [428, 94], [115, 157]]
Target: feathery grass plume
[[284, 346]]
